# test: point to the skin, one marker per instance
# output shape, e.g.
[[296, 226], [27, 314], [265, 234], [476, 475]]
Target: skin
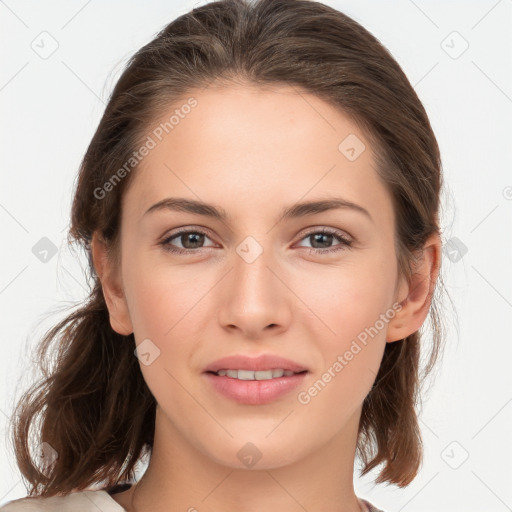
[[253, 151]]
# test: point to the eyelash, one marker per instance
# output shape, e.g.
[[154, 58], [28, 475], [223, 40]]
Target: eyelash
[[345, 242]]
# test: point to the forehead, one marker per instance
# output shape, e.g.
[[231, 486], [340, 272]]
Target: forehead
[[252, 146]]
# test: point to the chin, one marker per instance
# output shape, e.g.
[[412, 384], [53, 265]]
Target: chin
[[257, 454]]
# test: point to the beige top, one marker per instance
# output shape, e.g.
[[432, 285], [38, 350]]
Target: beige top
[[92, 501], [82, 501]]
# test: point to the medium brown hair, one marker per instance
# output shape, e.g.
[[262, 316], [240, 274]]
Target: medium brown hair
[[93, 406]]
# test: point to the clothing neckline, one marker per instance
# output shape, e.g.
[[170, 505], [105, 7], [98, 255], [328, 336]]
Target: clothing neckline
[[117, 488], [110, 491]]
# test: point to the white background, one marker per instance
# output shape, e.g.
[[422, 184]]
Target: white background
[[50, 108]]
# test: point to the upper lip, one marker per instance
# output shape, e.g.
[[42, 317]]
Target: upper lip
[[262, 362]]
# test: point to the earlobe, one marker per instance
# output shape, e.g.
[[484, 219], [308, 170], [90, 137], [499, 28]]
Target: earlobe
[[416, 305], [111, 287]]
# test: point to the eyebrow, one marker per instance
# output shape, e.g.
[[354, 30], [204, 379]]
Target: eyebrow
[[290, 212]]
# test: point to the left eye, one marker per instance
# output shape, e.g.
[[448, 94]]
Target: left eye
[[191, 241], [325, 237]]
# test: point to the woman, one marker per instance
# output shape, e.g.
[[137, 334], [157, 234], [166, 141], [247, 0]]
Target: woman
[[248, 367]]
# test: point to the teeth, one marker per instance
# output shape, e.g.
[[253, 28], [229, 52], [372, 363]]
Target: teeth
[[255, 375]]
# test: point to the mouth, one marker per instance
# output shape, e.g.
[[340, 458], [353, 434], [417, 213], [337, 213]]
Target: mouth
[[248, 367], [270, 374], [251, 380]]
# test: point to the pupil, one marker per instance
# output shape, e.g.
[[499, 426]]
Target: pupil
[[196, 239], [318, 238]]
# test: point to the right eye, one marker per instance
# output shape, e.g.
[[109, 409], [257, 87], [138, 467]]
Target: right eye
[[190, 241]]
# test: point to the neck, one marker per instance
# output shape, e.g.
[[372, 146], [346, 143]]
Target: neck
[[181, 476]]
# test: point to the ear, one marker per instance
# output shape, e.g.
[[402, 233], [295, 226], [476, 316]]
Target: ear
[[112, 287], [415, 297]]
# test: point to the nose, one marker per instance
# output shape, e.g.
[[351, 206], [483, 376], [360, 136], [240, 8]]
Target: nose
[[255, 300]]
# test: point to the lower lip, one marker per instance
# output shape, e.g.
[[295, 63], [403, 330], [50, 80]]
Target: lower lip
[[255, 392]]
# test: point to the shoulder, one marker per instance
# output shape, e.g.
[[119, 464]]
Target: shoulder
[[83, 501]]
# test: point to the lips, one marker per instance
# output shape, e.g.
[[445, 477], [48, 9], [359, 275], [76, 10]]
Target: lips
[[262, 362], [255, 392]]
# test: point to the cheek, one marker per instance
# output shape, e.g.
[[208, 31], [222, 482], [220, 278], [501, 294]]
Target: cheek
[[353, 305], [169, 306], [345, 302], [161, 297], [351, 341], [165, 308]]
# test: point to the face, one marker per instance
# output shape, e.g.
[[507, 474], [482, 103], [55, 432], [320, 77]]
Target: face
[[316, 286]]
